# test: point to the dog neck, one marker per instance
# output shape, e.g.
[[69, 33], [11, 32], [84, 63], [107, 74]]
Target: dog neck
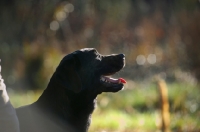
[[67, 106]]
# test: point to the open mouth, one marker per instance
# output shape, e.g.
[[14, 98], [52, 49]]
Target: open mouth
[[112, 84], [108, 79], [115, 64]]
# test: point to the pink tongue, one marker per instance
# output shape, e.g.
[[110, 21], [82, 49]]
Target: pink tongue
[[113, 80], [122, 80]]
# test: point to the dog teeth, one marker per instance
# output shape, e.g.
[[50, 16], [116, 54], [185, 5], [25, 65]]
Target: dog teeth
[[102, 79], [111, 80]]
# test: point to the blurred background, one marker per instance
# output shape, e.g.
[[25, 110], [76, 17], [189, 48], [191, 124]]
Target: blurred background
[[161, 40]]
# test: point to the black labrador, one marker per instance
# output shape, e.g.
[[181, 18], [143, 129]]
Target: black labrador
[[68, 101]]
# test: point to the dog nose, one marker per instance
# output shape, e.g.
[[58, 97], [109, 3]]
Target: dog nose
[[122, 55]]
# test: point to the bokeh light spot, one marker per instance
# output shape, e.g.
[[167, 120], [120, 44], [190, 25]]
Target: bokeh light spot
[[54, 25], [61, 15], [140, 59], [69, 7], [151, 58]]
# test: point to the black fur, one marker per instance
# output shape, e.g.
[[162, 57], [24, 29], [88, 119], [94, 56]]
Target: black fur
[[68, 101]]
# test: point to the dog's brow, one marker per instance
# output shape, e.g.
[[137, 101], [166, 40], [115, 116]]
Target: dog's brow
[[98, 56]]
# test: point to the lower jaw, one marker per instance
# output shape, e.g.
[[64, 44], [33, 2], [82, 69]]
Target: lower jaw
[[114, 88]]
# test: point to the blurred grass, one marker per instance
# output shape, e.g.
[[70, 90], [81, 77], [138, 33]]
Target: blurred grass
[[120, 121], [136, 108], [23, 98]]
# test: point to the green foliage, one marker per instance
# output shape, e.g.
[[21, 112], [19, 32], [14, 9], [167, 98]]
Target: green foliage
[[112, 120], [140, 98], [23, 98], [136, 108]]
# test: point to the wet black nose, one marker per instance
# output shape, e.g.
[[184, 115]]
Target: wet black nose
[[122, 55]]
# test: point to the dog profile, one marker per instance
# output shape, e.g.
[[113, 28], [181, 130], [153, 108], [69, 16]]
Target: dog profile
[[68, 101]]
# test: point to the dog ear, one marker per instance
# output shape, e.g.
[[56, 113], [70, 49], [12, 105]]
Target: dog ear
[[67, 73]]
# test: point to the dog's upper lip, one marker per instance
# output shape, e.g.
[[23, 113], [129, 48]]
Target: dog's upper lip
[[108, 74]]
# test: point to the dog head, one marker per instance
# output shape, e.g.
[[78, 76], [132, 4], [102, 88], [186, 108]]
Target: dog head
[[87, 70]]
